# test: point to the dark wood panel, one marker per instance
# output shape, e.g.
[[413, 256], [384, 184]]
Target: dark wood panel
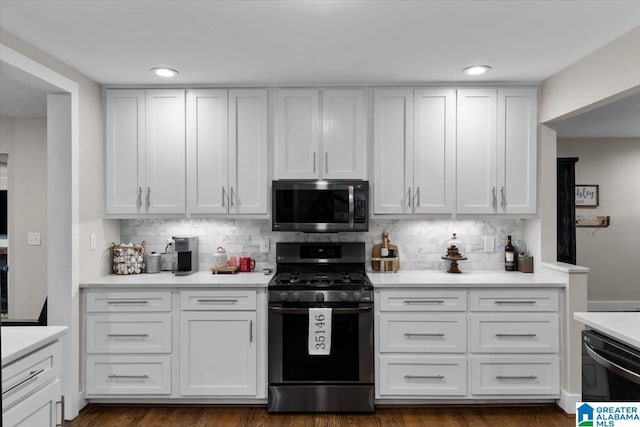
[[436, 416], [566, 199]]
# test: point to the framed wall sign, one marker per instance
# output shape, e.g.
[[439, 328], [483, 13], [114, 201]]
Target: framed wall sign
[[587, 196]]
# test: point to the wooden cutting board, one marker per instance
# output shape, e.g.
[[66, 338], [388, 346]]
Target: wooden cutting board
[[375, 253], [225, 270]]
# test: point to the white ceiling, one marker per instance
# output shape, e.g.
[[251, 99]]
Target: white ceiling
[[265, 42]]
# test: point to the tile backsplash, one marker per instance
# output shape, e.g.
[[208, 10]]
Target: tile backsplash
[[421, 243]]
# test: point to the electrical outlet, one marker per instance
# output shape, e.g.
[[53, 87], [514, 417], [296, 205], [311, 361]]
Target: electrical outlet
[[33, 238], [92, 241], [489, 245], [264, 246]]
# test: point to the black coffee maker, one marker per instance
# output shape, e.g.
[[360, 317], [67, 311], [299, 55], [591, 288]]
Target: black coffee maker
[[187, 255]]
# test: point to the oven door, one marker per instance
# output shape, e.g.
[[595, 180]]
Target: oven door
[[350, 360], [610, 370]]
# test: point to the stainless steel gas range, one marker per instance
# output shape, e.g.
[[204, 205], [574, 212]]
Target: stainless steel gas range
[[320, 329]]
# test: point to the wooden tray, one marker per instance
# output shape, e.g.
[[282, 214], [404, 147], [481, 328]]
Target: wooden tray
[[224, 270]]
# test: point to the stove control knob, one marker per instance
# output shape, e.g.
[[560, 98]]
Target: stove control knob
[[356, 296], [295, 296], [344, 296], [319, 297], [283, 296]]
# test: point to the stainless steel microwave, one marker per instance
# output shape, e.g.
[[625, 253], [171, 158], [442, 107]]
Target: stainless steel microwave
[[320, 206]]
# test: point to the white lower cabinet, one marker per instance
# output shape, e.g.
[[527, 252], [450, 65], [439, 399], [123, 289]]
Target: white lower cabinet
[[217, 353], [39, 410], [503, 345], [176, 344]]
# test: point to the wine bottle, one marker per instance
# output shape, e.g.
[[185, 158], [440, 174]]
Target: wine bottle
[[509, 256]]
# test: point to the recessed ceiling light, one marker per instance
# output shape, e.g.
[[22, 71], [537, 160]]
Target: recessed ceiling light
[[475, 70], [164, 71]]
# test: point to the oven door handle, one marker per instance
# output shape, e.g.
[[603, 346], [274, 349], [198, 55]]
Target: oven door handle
[[613, 367], [355, 310]]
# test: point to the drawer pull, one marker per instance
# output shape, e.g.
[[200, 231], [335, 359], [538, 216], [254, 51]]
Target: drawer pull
[[516, 335], [128, 335], [529, 302], [409, 335], [423, 377], [137, 377], [143, 302], [61, 402], [516, 377], [31, 376], [425, 301], [218, 301]]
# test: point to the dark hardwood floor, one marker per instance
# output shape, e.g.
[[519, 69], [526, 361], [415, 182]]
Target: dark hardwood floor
[[434, 416]]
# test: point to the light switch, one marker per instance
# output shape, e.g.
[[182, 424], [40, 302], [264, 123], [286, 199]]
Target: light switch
[[33, 238], [489, 245], [264, 246]]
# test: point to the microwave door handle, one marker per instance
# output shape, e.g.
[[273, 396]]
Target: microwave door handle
[[288, 310], [611, 366], [351, 207]]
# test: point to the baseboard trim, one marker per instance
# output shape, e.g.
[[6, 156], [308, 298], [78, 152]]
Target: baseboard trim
[[567, 402], [613, 305], [73, 405]]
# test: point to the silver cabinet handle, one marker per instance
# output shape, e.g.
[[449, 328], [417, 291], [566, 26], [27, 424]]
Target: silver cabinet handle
[[218, 301], [128, 335], [416, 199], [426, 301], [409, 335], [231, 196], [139, 199], [139, 377], [31, 376], [516, 335], [143, 302], [148, 196], [514, 302], [613, 367], [516, 377], [61, 402], [409, 198], [314, 162], [326, 162], [223, 196], [494, 197], [503, 201], [423, 377], [250, 331]]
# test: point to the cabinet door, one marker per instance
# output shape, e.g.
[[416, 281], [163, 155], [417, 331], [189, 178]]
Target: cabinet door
[[434, 150], [297, 134], [125, 148], [165, 151], [207, 142], [517, 150], [476, 151], [218, 353], [393, 145], [248, 158], [38, 410], [344, 143]]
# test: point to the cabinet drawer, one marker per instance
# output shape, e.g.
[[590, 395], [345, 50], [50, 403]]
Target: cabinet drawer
[[514, 333], [512, 375], [108, 375], [129, 333], [218, 300], [25, 375], [423, 333], [40, 409], [423, 301], [423, 376], [514, 300], [118, 302]]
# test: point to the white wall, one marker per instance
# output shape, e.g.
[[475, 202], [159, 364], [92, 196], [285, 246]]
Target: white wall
[[25, 142], [610, 253]]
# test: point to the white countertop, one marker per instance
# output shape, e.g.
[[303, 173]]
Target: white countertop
[[18, 341], [169, 280], [545, 278], [623, 326]]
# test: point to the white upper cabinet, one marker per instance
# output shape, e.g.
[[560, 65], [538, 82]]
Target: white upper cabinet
[[497, 151], [145, 151], [227, 151], [414, 146], [320, 134], [518, 150]]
